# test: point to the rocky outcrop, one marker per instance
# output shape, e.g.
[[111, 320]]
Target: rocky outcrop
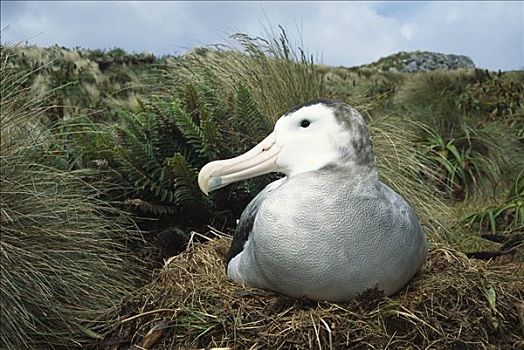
[[421, 61]]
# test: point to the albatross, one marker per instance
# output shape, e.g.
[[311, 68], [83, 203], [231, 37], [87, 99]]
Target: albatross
[[328, 230]]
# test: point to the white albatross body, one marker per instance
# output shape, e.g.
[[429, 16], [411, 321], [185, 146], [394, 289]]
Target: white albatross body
[[330, 229]]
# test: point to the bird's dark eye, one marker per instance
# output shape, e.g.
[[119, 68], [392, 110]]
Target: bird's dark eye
[[305, 123]]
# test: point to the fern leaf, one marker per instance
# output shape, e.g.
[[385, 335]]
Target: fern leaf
[[191, 101], [148, 207], [185, 179], [193, 133], [248, 115]]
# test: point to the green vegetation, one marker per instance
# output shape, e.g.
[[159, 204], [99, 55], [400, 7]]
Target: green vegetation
[[278, 75], [80, 81], [130, 131], [457, 134], [460, 163], [64, 251], [505, 216]]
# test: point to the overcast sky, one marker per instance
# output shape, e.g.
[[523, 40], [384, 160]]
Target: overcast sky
[[338, 33]]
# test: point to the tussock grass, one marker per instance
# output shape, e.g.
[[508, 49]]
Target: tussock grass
[[98, 82], [475, 149], [453, 302], [64, 265], [431, 98], [278, 74]]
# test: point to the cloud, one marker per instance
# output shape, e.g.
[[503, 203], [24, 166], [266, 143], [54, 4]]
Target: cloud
[[342, 33], [492, 33]]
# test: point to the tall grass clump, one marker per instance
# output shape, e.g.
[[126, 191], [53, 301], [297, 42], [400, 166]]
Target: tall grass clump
[[471, 148], [97, 81], [64, 262], [469, 165], [507, 216], [430, 97], [278, 73]]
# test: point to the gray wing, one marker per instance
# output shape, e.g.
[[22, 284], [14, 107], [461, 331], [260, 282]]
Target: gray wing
[[403, 206], [247, 219]]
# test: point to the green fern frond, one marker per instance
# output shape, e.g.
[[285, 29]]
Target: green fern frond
[[193, 133], [131, 132], [153, 208], [211, 94], [134, 173], [248, 114], [169, 138], [185, 179], [191, 100]]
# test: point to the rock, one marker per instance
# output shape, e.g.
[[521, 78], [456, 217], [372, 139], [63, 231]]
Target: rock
[[420, 61]]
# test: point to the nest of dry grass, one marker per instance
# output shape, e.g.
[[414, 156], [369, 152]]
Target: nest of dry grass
[[454, 302]]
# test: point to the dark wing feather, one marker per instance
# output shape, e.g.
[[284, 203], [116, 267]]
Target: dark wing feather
[[247, 219]]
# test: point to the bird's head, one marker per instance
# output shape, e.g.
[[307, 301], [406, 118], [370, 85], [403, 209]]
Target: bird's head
[[309, 137]]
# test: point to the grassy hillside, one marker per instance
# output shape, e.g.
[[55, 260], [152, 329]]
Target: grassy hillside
[[76, 81], [135, 129]]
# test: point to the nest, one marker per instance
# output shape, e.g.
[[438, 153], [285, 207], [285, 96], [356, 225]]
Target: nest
[[453, 302]]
